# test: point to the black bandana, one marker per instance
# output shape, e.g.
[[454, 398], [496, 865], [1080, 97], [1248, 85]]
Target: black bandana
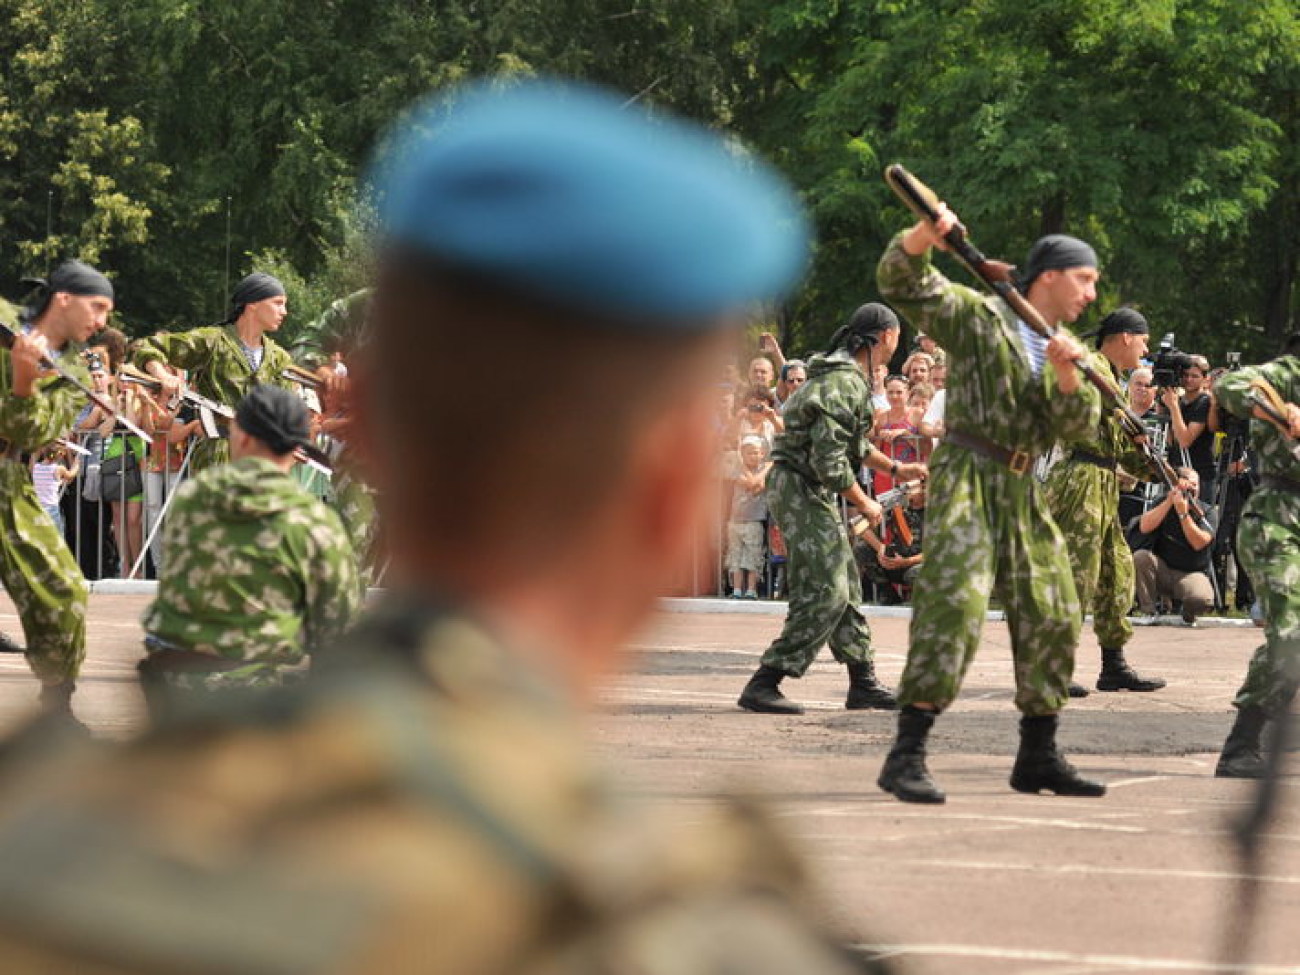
[[276, 417], [862, 327], [258, 286], [1120, 322], [70, 277], [1055, 252]]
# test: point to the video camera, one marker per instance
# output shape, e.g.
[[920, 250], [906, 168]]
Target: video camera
[[1169, 364]]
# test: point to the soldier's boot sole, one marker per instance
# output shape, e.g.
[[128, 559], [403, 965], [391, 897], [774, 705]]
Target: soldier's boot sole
[[877, 698], [1056, 777], [1129, 682], [768, 702]]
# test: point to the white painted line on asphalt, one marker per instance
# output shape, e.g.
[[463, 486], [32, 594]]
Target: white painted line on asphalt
[[1146, 778], [895, 812], [1088, 870], [1135, 962]]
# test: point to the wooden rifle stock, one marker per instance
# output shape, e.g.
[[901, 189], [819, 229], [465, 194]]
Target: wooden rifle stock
[[7, 336], [923, 201]]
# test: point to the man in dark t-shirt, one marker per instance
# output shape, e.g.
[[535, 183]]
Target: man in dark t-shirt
[[1191, 441], [1176, 562]]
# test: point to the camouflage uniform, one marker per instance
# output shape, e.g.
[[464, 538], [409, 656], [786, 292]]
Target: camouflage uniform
[[988, 530], [382, 817], [1268, 540], [818, 456], [1083, 499], [342, 325], [257, 571], [219, 370], [39, 572]]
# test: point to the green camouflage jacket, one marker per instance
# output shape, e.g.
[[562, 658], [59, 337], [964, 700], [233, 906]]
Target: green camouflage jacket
[[342, 325], [257, 569], [215, 359], [1272, 448], [827, 421], [33, 421], [992, 391]]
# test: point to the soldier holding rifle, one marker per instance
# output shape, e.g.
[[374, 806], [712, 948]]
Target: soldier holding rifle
[[38, 406], [1083, 496], [815, 462], [1011, 394], [1268, 545], [225, 361]]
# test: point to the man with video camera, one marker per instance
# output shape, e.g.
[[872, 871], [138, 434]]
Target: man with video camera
[[1191, 441]]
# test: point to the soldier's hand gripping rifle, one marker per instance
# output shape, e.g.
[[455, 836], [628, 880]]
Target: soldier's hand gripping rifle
[[1264, 398], [996, 275], [7, 336], [209, 409], [889, 500]]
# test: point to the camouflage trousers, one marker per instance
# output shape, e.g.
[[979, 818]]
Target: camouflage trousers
[[989, 531], [1268, 545], [821, 578], [42, 578], [1084, 502]]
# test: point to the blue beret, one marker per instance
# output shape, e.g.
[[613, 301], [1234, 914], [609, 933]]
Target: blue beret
[[571, 193]]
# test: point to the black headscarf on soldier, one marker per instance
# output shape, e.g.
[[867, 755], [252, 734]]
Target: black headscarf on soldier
[[1055, 252], [70, 277], [1125, 320], [276, 417], [863, 328], [257, 286]]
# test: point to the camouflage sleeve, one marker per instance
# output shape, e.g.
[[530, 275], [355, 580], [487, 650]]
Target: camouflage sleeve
[[1073, 416], [334, 591], [184, 350], [33, 421], [924, 296], [1232, 388], [829, 447]]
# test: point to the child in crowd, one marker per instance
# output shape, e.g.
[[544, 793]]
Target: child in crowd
[[745, 524], [50, 472]]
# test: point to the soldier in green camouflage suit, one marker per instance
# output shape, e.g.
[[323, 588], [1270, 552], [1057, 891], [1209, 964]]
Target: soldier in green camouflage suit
[[1268, 545], [1011, 395], [815, 462], [261, 572], [1082, 492], [36, 407], [424, 802], [225, 361]]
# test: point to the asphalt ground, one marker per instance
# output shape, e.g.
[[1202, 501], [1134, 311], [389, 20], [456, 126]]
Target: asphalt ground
[[1145, 879]]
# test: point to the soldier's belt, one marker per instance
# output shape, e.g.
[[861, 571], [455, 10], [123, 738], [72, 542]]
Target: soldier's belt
[[1096, 460], [1017, 461], [1280, 482]]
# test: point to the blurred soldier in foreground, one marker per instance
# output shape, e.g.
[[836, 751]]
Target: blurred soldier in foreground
[[422, 803], [39, 572], [261, 571], [1268, 545]]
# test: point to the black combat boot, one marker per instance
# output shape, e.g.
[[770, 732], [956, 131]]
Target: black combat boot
[[1040, 766], [865, 691], [762, 694], [1241, 757], [56, 703], [904, 774], [1078, 690], [9, 645], [1117, 675]]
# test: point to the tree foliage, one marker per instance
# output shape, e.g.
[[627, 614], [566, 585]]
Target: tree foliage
[[178, 143]]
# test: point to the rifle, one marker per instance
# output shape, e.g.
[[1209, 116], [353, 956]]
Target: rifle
[[312, 456], [7, 336], [922, 201], [890, 500], [1263, 397]]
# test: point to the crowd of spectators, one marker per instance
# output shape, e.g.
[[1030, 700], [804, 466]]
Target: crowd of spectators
[[1183, 547]]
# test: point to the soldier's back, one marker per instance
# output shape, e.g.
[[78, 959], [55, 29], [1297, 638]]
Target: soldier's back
[[423, 804]]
